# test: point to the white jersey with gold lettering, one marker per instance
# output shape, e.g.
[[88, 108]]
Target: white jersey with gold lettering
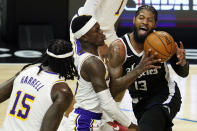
[[29, 100]]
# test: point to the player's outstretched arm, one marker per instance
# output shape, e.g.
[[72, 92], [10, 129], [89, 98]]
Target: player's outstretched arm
[[6, 89], [93, 70], [117, 55], [178, 61], [61, 96]]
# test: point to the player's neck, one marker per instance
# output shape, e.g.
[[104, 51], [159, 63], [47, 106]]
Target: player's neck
[[90, 50], [139, 47]]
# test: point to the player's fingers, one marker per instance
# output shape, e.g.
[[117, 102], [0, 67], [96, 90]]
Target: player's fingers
[[178, 51], [147, 54], [155, 67], [179, 62], [156, 61], [152, 67], [152, 62], [181, 45], [176, 45], [154, 56]]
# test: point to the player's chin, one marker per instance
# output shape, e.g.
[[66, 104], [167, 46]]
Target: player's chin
[[142, 38]]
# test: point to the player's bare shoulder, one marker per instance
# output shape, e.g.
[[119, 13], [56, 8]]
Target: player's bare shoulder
[[61, 90], [117, 52]]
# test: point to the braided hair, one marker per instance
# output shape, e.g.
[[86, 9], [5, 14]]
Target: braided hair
[[63, 66], [147, 7]]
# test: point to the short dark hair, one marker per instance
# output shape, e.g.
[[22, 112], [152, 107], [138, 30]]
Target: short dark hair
[[79, 22], [147, 7], [63, 66]]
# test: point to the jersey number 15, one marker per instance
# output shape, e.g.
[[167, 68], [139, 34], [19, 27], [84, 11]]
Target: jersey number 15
[[25, 108]]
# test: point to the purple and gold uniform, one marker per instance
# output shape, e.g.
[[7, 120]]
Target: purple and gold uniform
[[30, 100], [87, 112]]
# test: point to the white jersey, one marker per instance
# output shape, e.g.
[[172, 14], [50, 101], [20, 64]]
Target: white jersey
[[87, 102], [106, 12], [85, 96], [29, 100]]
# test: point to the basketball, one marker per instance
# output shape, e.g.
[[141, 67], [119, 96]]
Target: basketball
[[162, 43]]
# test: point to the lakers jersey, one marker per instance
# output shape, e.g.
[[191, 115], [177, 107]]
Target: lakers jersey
[[29, 100], [85, 96], [153, 86]]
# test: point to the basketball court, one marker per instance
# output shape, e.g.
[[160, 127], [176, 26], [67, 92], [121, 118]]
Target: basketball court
[[186, 120]]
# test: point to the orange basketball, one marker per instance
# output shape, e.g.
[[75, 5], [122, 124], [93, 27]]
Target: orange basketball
[[162, 43]]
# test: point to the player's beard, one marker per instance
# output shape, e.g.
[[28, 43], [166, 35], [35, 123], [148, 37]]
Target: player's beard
[[137, 38]]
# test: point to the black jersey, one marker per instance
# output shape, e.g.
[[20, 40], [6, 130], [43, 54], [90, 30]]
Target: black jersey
[[153, 86]]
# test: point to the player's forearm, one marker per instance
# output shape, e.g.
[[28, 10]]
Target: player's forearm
[[120, 84], [182, 71], [52, 119], [91, 6], [6, 89], [111, 108], [4, 97]]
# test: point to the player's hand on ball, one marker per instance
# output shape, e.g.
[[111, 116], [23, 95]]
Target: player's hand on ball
[[147, 62]]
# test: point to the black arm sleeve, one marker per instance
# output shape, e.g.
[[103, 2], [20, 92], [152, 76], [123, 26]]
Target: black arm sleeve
[[182, 71]]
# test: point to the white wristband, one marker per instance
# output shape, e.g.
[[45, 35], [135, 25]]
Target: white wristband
[[111, 108]]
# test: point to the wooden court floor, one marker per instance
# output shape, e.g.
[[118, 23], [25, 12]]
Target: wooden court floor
[[186, 119]]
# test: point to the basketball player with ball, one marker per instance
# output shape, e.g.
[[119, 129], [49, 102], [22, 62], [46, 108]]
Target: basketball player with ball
[[155, 96]]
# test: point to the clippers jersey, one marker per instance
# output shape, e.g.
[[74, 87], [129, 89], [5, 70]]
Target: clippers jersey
[[30, 99], [85, 96], [153, 86]]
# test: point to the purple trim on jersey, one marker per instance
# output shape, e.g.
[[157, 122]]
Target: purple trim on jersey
[[78, 47], [76, 88], [85, 119], [88, 114], [48, 71], [81, 53], [76, 123], [51, 72]]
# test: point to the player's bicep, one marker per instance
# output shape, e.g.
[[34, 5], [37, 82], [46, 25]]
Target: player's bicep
[[95, 71], [117, 53], [116, 57], [61, 96]]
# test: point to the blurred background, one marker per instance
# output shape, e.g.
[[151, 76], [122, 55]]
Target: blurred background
[[28, 24]]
